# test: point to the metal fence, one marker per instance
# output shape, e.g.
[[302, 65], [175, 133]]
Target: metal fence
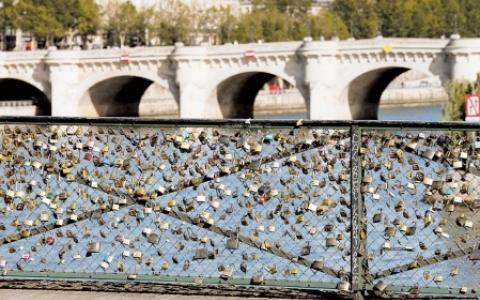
[[356, 207]]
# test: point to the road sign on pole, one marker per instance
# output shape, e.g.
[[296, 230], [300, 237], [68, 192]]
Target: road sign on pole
[[472, 108]]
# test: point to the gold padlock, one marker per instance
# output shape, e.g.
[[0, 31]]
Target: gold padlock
[[137, 254], [257, 279], [438, 278], [93, 247]]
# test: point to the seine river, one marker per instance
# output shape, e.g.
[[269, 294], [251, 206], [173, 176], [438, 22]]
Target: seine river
[[421, 113]]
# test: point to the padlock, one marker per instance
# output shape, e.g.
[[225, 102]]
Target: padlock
[[25, 233], [271, 268], [154, 238], [412, 146], [413, 265], [380, 286], [306, 249], [410, 230], [93, 247], [137, 254], [147, 231], [104, 265], [468, 224], [44, 217], [201, 253], [343, 286], [232, 243], [427, 218], [377, 218], [165, 265], [257, 279], [451, 207], [428, 154], [438, 278], [390, 231], [387, 246], [318, 265], [457, 164]]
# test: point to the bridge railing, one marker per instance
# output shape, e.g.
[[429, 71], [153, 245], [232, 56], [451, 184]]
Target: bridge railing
[[350, 207]]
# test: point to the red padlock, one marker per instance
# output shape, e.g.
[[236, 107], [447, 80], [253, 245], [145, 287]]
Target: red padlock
[[50, 240], [88, 156], [262, 199], [21, 206]]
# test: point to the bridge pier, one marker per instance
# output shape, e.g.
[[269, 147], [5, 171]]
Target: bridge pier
[[192, 77], [65, 96], [321, 80]]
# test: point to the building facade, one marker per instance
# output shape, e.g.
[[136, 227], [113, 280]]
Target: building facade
[[236, 5]]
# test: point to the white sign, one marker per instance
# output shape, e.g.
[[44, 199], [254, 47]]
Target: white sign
[[472, 108]]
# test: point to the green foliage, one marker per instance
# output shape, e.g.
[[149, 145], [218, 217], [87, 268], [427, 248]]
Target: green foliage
[[87, 17], [174, 23], [269, 20], [360, 15], [38, 20], [120, 21], [454, 109], [328, 24]]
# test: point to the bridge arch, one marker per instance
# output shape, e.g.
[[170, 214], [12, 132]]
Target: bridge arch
[[127, 94], [23, 97], [235, 94], [364, 90]]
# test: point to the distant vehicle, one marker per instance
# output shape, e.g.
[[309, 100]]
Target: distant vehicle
[[424, 83]]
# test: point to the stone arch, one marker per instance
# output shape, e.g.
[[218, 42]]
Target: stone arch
[[364, 91], [235, 94], [21, 97], [124, 95]]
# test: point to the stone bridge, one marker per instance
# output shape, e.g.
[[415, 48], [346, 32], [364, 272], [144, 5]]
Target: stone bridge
[[337, 79]]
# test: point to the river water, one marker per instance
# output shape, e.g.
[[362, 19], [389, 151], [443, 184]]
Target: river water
[[420, 113]]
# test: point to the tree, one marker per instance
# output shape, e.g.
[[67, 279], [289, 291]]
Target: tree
[[395, 17], [174, 23], [454, 110], [88, 19], [469, 22], [297, 8], [360, 15], [120, 19], [227, 23], [37, 20], [328, 24]]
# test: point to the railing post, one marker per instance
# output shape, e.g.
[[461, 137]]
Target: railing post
[[358, 224]]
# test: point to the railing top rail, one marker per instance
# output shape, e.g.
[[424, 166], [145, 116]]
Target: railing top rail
[[237, 122]]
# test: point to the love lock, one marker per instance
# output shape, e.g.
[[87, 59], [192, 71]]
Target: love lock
[[257, 279], [380, 286], [201, 253], [232, 243], [318, 265], [343, 286], [154, 239], [93, 247]]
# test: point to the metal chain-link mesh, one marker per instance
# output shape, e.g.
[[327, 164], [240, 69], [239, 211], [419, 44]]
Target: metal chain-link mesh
[[242, 204], [421, 191], [239, 204]]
